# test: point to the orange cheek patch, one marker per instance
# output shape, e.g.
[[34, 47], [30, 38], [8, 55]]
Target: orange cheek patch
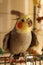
[[19, 25]]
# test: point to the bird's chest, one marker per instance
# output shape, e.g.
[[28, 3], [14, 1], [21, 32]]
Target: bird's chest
[[20, 43], [21, 39]]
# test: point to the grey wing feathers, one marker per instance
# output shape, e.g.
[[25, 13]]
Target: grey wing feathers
[[34, 41], [6, 42]]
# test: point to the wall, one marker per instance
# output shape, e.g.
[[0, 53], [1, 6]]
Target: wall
[[4, 19]]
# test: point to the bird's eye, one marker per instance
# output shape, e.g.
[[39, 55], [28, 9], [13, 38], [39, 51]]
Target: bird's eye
[[29, 23], [22, 20]]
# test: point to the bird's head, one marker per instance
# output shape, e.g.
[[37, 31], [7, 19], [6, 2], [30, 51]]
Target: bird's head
[[24, 24]]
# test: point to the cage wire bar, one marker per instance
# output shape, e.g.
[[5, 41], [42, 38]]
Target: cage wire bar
[[36, 4]]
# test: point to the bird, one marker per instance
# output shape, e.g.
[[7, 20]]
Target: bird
[[20, 38]]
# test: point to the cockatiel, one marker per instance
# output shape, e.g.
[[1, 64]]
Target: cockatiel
[[21, 37]]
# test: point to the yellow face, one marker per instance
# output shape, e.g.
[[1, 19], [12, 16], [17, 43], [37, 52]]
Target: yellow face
[[24, 25]]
